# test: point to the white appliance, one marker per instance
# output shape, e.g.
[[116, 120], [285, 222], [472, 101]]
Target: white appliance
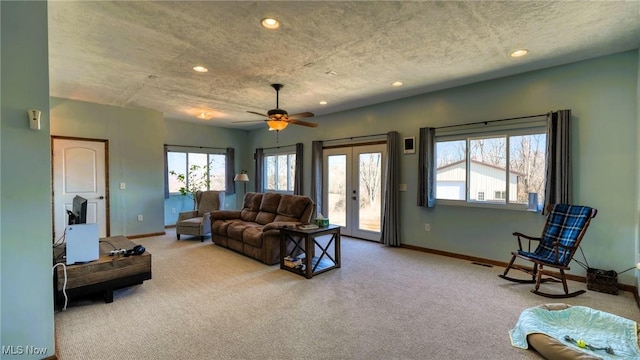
[[82, 243]]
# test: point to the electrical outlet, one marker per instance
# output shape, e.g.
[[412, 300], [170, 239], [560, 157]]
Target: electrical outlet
[[123, 186], [173, 210], [139, 217], [427, 227]]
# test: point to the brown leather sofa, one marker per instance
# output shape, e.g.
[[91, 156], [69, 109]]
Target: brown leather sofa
[[255, 230]]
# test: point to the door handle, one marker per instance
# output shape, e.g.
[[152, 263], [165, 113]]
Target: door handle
[[354, 198], [101, 197]]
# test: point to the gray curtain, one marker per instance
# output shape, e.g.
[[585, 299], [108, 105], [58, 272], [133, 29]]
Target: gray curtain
[[559, 178], [426, 168], [316, 176], [297, 185], [259, 158], [230, 172], [390, 218], [166, 172]]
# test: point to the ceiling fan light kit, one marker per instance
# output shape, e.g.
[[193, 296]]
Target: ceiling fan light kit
[[277, 125], [278, 119]]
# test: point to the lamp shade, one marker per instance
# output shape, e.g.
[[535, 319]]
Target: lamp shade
[[241, 177], [277, 125]]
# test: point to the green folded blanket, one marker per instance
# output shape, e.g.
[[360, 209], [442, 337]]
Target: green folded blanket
[[587, 327]]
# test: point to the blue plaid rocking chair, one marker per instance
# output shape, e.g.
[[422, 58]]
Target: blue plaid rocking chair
[[563, 231]]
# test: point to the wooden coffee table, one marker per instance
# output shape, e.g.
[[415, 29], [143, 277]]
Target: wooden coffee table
[[103, 275]]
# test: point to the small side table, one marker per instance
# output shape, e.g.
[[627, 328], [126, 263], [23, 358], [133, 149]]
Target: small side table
[[304, 243]]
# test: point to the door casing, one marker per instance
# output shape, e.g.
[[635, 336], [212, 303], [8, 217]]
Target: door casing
[[353, 214], [58, 203]]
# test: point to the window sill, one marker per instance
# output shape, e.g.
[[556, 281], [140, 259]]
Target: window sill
[[485, 205]]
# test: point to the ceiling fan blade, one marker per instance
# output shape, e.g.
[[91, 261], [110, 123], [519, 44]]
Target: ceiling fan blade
[[257, 113], [247, 121], [303, 123], [301, 115]]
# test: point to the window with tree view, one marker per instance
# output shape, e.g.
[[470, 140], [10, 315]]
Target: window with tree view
[[191, 171], [280, 171], [493, 168]]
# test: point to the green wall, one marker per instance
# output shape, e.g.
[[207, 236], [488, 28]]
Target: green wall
[[136, 158], [638, 174], [190, 134], [25, 183], [602, 94]]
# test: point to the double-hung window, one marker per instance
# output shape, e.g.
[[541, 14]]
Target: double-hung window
[[280, 171], [196, 170], [498, 165]]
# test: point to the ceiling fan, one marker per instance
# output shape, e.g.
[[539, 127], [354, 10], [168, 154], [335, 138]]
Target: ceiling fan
[[278, 119]]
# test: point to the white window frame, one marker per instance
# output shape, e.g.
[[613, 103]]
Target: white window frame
[[290, 156], [478, 131], [187, 151]]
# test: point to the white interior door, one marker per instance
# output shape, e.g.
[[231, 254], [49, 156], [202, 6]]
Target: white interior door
[[352, 189], [79, 168]]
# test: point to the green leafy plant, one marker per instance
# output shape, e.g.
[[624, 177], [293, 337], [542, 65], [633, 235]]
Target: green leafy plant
[[197, 178]]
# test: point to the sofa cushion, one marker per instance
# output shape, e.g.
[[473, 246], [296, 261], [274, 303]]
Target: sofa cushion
[[192, 223], [268, 208], [263, 217], [253, 236], [251, 206], [294, 208], [270, 202], [225, 215], [220, 227], [235, 229]]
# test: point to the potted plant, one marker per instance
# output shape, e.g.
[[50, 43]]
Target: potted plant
[[197, 179]]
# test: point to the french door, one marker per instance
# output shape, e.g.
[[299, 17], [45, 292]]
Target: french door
[[353, 185]]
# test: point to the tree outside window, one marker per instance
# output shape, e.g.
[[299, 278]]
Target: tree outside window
[[280, 170], [190, 172]]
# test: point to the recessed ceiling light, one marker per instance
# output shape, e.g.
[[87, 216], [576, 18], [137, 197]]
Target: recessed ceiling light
[[270, 23], [323, 102], [200, 69], [397, 83], [519, 53]]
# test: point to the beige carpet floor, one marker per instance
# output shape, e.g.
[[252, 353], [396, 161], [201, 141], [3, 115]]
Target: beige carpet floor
[[207, 302]]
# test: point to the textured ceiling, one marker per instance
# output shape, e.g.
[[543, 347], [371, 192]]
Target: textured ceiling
[[141, 54]]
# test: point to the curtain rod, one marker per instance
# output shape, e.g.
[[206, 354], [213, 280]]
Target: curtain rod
[[491, 121], [277, 147], [196, 147], [355, 137]]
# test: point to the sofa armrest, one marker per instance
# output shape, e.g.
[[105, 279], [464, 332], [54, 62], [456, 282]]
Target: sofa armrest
[[187, 215], [225, 214], [277, 225]]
